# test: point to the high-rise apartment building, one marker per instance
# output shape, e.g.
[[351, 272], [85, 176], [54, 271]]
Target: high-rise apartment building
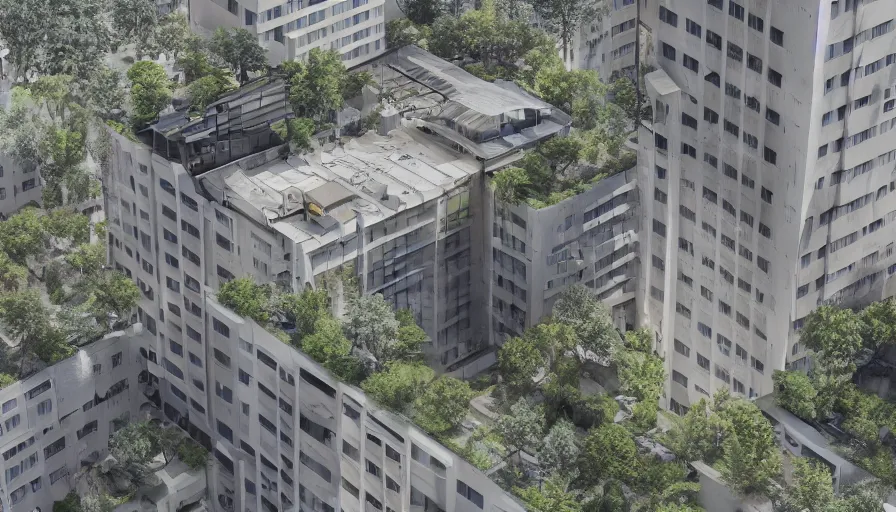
[[607, 44], [197, 202], [283, 434], [288, 30], [766, 179]]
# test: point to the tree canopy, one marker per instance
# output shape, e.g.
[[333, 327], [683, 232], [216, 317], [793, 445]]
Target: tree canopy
[[240, 50]]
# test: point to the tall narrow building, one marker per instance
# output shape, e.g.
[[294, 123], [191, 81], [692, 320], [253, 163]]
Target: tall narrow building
[[766, 176]]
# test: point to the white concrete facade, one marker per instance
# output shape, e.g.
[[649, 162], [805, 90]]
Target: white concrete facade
[[18, 188], [770, 180], [607, 45], [281, 430], [288, 30]]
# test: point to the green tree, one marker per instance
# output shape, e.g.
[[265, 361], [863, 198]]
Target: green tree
[[317, 87], [194, 60], [207, 90], [399, 385], [421, 12], [641, 375], [135, 21], [694, 437], [298, 131], [589, 319], [247, 298], [835, 335], [371, 326], [71, 503], [609, 452], [135, 444], [626, 97], [565, 17], [329, 346], [402, 32], [511, 185], [172, 35], [150, 91], [102, 502], [7, 380], [113, 293], [879, 324], [559, 450], [240, 50], [27, 320], [443, 405], [519, 361], [794, 392], [410, 338], [305, 309], [192, 454], [105, 93], [750, 455], [55, 37], [22, 236], [522, 427], [13, 277], [552, 496], [811, 488]]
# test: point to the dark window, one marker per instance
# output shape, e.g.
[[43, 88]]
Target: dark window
[[776, 36], [774, 77], [668, 51], [714, 40], [668, 16]]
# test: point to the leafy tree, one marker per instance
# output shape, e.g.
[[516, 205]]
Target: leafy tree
[[87, 259], [421, 12], [565, 17], [410, 338], [371, 325], [305, 309], [399, 385], [134, 444], [55, 37], [172, 35], [589, 319], [113, 293], [71, 503], [321, 85], [609, 452], [519, 361], [21, 130], [811, 488], [443, 405], [193, 454], [329, 346], [750, 455], [194, 60], [26, 319], [879, 324], [485, 36], [134, 21], [7, 380], [246, 298], [552, 496], [104, 93], [150, 91], [559, 449], [835, 335], [22, 236], [240, 50], [207, 90], [695, 436], [794, 392], [522, 428], [626, 97], [402, 32], [13, 276], [510, 185], [641, 375]]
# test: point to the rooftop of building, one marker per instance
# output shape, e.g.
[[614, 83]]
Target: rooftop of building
[[321, 195]]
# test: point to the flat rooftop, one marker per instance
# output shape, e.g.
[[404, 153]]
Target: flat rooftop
[[371, 177]]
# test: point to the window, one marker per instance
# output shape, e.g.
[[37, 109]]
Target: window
[[659, 195], [735, 10], [724, 344], [706, 293], [54, 448], [690, 62], [732, 128], [687, 149], [688, 121], [693, 28], [732, 90], [679, 378], [222, 358], [176, 347], [715, 3], [660, 175], [776, 36], [221, 328], [713, 78], [711, 160], [44, 407], [735, 52], [9, 405], [772, 116], [766, 195], [746, 218], [756, 23], [724, 308], [765, 231], [682, 310], [710, 116], [729, 171], [470, 494], [714, 40], [710, 196], [702, 362], [682, 349], [39, 389], [752, 103], [754, 63], [668, 51], [704, 329], [668, 16], [189, 228], [659, 228], [774, 77]]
